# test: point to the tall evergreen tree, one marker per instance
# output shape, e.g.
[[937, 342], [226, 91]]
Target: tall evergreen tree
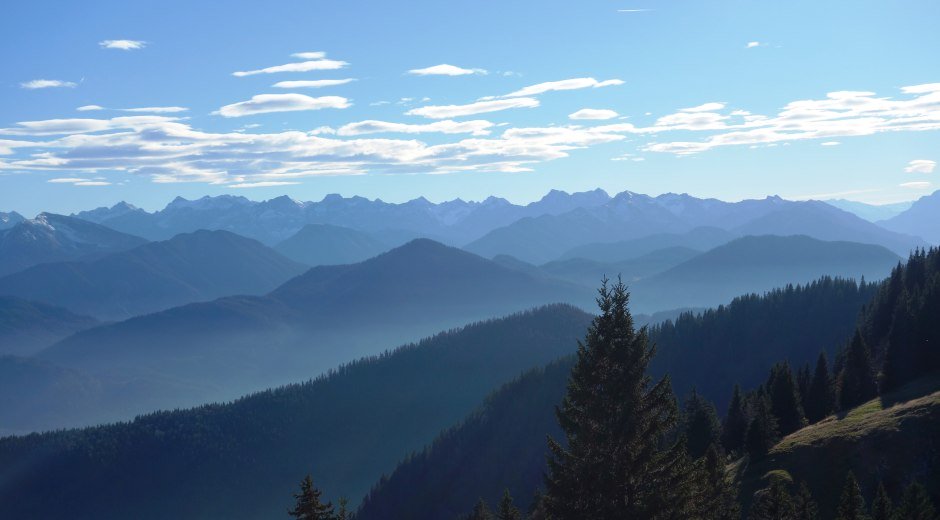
[[851, 504], [506, 509], [773, 502], [762, 432], [615, 421], [804, 507], [480, 511], [308, 505], [804, 377], [881, 505], [537, 509], [821, 398], [857, 381], [699, 424], [718, 498], [785, 399], [915, 504], [343, 512], [734, 427]]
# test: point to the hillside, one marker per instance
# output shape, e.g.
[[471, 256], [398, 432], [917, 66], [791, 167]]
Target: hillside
[[347, 428], [700, 238], [313, 322], [589, 272], [190, 267], [57, 238], [27, 327], [757, 264], [899, 430], [323, 244]]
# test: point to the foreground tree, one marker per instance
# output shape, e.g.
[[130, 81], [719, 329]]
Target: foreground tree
[[762, 431], [718, 497], [308, 505], [785, 399], [734, 427], [700, 425], [506, 509], [821, 397], [857, 381], [915, 504], [614, 465], [773, 502], [480, 512], [852, 504], [881, 505], [804, 507]]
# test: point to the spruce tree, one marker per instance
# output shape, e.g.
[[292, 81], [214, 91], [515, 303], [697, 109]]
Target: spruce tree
[[804, 377], [308, 505], [537, 509], [734, 427], [857, 381], [718, 497], [773, 502], [699, 424], [915, 504], [851, 504], [343, 512], [480, 511], [506, 509], [785, 399], [804, 507], [881, 505], [614, 465], [762, 431], [820, 399]]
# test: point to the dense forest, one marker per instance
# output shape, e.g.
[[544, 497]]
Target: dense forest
[[771, 443]]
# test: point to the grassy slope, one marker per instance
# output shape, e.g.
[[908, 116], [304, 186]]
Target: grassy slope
[[892, 439]]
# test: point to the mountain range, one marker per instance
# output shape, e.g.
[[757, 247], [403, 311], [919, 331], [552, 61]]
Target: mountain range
[[921, 219], [27, 326], [190, 267]]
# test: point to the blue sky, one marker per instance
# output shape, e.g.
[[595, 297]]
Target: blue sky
[[728, 99]]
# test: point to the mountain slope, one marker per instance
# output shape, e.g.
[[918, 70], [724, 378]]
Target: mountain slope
[[323, 244], [57, 238], [8, 220], [700, 238], [27, 327], [756, 264], [590, 273], [189, 267], [871, 212], [921, 219], [326, 316], [347, 429]]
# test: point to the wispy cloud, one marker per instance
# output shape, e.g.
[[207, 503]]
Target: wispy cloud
[[78, 181], [89, 108], [565, 84], [921, 166], [593, 113], [316, 83], [47, 83], [751, 45], [479, 107], [633, 10], [265, 103], [476, 127], [830, 143], [314, 61], [124, 45], [262, 184], [445, 70], [916, 185], [155, 110]]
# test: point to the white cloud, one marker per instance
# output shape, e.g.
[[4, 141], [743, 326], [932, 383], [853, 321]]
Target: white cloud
[[262, 184], [565, 84], [706, 107], [476, 127], [124, 45], [830, 143], [593, 113], [921, 166], [633, 10], [265, 103], [155, 110], [751, 45], [445, 70], [479, 107], [89, 108], [314, 61], [47, 83], [316, 83], [78, 181], [915, 185]]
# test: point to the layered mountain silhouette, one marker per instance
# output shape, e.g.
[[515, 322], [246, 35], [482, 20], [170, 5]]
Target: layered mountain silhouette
[[27, 327], [328, 315], [757, 264], [700, 238], [190, 267], [325, 244], [921, 219], [57, 238], [10, 219]]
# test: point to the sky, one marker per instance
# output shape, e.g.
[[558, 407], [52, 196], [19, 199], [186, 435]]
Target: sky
[[143, 101]]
